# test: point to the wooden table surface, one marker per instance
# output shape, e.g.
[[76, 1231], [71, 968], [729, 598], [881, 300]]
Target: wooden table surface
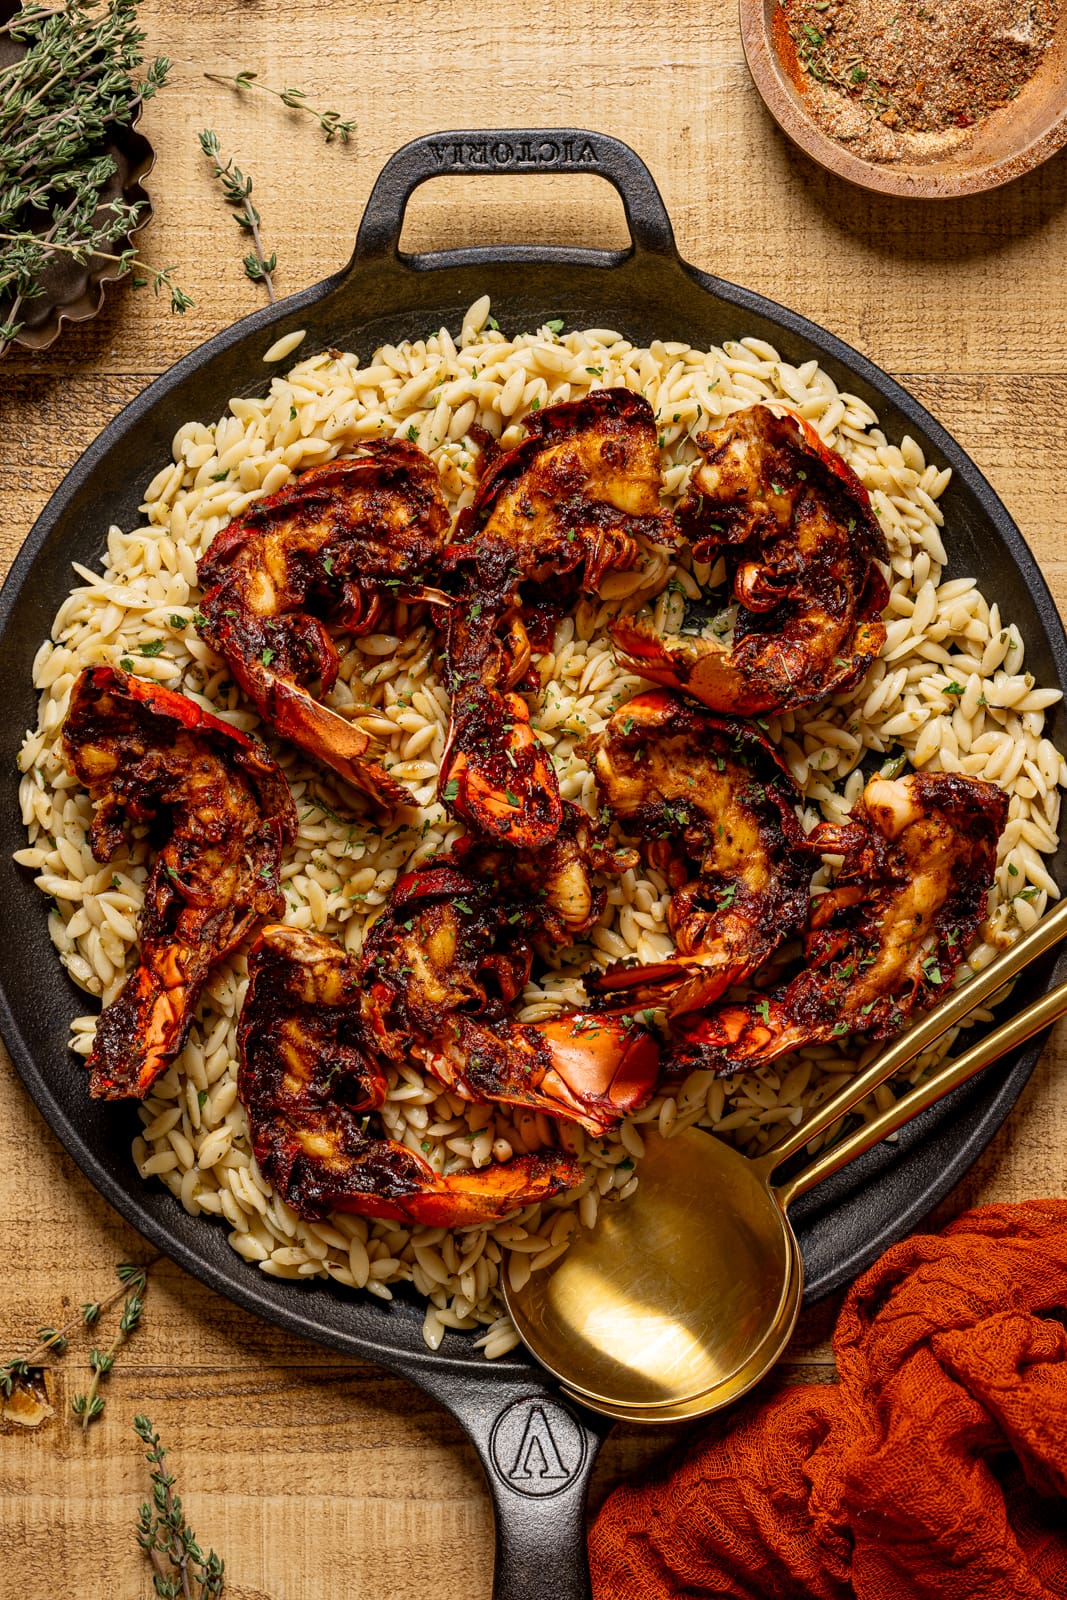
[[312, 1476]]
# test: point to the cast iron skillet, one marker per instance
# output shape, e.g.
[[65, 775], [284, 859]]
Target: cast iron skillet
[[536, 1451]]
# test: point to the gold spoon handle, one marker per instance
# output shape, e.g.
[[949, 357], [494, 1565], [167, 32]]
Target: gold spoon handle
[[918, 1038], [1040, 1015]]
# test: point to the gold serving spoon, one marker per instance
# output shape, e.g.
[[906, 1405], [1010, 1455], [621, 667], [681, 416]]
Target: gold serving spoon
[[684, 1296]]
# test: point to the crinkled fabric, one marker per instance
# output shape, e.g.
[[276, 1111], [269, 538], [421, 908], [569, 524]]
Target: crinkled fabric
[[935, 1467]]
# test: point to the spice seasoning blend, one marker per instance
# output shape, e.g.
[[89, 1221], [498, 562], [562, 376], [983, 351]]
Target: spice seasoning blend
[[907, 79]]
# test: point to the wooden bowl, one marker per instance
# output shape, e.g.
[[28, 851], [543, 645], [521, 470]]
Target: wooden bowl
[[1013, 140]]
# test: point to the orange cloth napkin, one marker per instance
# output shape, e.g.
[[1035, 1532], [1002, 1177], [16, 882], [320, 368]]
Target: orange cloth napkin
[[935, 1467]]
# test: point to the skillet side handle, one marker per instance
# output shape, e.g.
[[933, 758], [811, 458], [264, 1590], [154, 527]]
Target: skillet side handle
[[537, 1455], [504, 152]]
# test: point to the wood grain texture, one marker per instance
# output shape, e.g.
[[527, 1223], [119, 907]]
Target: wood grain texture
[[313, 1476]]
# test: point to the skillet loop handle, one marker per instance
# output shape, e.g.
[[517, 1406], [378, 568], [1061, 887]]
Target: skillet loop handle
[[508, 151], [537, 1453]]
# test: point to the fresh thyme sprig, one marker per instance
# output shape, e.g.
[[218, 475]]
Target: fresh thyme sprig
[[238, 191], [180, 1570], [54, 1341], [88, 1406], [330, 122], [60, 103], [30, 254]]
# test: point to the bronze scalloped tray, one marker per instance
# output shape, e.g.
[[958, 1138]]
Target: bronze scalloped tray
[[74, 292]]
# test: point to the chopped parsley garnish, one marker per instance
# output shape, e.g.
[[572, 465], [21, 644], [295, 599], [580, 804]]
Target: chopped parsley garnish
[[154, 647], [451, 789], [267, 655], [555, 326]]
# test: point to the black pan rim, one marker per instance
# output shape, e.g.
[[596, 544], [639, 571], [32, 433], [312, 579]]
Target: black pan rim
[[237, 1280]]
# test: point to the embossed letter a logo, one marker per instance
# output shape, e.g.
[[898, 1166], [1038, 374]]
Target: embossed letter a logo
[[538, 1455]]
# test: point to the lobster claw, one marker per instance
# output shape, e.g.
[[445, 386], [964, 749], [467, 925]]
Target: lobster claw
[[602, 1068], [700, 668]]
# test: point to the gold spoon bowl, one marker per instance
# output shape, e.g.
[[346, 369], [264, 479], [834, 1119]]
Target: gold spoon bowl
[[746, 1377], [670, 1296]]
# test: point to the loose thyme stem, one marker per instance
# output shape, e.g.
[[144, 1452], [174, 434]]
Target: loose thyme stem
[[46, 241], [179, 1566], [85, 250], [238, 191], [53, 1341], [265, 267], [88, 1406], [296, 99]]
